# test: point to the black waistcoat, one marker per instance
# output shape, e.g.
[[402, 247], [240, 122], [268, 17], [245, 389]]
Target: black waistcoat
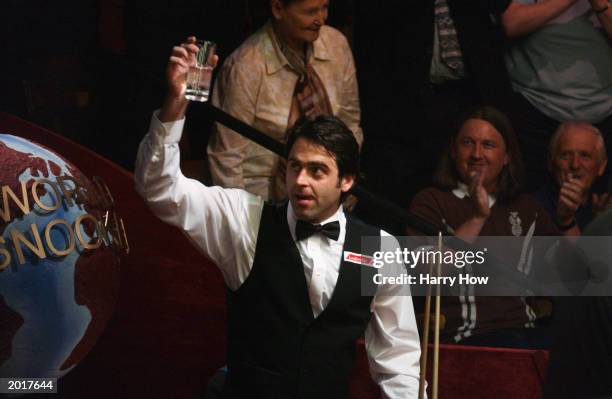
[[276, 348]]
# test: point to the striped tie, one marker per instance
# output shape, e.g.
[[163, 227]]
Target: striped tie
[[450, 50]]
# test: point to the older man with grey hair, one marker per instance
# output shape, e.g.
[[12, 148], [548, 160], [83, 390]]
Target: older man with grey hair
[[582, 326], [576, 159]]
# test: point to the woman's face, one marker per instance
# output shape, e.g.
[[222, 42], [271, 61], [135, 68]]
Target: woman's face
[[299, 21], [479, 149]]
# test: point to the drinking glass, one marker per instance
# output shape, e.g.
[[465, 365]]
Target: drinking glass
[[200, 72]]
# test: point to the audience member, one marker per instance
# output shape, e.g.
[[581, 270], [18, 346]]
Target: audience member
[[477, 192], [294, 65], [424, 64], [582, 326], [560, 64], [576, 158]]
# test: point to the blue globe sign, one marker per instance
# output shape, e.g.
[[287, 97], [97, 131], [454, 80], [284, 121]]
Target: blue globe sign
[[60, 245]]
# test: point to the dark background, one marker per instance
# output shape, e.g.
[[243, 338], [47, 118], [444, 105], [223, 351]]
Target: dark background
[[93, 70]]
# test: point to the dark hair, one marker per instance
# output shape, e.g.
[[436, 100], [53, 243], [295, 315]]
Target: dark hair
[[510, 181], [332, 134]]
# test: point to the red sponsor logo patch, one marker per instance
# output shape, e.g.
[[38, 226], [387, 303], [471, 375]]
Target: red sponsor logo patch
[[358, 259]]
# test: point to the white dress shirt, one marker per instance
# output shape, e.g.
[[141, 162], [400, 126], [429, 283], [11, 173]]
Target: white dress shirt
[[224, 223]]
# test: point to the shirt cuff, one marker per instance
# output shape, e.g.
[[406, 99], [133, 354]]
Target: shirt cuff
[[167, 132]]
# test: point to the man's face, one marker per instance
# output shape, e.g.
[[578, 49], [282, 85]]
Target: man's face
[[578, 156], [479, 148], [300, 21], [313, 184]]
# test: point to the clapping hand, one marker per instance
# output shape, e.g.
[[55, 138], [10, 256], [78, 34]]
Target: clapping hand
[[478, 193], [479, 196], [571, 196]]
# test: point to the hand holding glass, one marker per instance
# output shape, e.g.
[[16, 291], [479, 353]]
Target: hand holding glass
[[200, 72]]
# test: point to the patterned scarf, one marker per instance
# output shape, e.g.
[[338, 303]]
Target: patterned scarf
[[309, 96], [309, 99], [450, 49]]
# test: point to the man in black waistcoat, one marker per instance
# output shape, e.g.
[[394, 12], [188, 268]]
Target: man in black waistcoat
[[301, 287]]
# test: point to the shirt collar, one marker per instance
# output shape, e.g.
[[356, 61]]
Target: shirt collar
[[338, 216], [463, 191], [275, 59]]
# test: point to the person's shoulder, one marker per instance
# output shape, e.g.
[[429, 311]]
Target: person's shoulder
[[250, 54], [434, 193], [364, 228], [335, 41], [279, 206], [332, 34]]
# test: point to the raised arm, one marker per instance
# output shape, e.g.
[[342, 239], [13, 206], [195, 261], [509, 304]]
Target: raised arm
[[222, 224], [175, 103], [520, 19]]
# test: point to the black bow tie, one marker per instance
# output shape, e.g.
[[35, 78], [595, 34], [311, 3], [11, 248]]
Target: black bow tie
[[304, 230]]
